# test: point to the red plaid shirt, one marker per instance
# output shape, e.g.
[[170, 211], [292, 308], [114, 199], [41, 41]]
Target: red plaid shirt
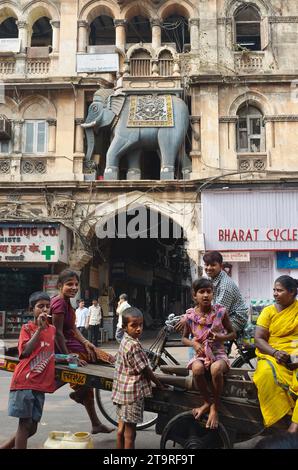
[[130, 384]]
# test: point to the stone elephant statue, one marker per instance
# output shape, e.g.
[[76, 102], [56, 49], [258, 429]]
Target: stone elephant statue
[[138, 122]]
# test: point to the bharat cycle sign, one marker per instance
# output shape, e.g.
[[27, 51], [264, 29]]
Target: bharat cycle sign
[[33, 243]]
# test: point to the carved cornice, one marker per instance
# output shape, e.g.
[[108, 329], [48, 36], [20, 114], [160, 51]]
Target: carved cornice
[[79, 121], [83, 24], [281, 118], [52, 122], [283, 19], [119, 23], [21, 24], [224, 21], [194, 22], [233, 119], [195, 119], [155, 22], [55, 24]]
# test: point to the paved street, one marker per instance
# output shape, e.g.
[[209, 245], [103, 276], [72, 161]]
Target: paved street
[[62, 414]]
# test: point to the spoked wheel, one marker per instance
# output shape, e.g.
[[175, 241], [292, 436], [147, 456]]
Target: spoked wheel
[[248, 361], [185, 432], [108, 409]]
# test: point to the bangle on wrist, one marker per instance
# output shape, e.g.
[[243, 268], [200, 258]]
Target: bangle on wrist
[[276, 350]]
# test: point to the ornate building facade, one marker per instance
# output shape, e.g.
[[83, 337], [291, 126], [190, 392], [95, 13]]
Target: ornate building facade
[[230, 61]]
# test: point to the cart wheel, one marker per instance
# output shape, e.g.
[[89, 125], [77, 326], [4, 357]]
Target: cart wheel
[[184, 431]]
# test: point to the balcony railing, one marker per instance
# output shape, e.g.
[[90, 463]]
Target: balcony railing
[[38, 66], [249, 61], [7, 66], [33, 67]]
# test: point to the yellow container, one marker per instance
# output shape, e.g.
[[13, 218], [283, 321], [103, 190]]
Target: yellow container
[[68, 440]]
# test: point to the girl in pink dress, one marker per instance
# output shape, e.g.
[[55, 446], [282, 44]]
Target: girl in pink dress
[[210, 327]]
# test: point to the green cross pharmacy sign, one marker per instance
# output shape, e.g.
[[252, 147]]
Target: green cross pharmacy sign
[[48, 253]]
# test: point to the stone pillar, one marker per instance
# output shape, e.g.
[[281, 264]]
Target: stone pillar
[[79, 139], [120, 34], [17, 145], [194, 24], [23, 34], [56, 36], [156, 33], [83, 27], [52, 135], [196, 133]]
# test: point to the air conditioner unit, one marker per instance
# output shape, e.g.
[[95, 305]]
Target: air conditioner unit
[[5, 128]]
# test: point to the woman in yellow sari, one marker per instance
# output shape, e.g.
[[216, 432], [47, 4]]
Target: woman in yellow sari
[[276, 338]]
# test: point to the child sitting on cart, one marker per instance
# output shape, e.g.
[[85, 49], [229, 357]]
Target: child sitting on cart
[[210, 327], [132, 379]]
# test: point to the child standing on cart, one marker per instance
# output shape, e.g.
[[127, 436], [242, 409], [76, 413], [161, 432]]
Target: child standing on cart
[[210, 327], [132, 379], [35, 373]]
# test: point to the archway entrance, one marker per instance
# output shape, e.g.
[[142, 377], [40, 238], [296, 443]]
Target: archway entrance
[[140, 252]]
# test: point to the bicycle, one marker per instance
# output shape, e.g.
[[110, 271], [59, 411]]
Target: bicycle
[[158, 356]]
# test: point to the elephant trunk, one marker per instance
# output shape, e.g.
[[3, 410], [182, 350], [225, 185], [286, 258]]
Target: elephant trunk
[[90, 143]]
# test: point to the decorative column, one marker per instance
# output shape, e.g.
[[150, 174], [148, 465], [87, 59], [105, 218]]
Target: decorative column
[[52, 123], [120, 34], [194, 24], [56, 36], [196, 134], [23, 34], [79, 138], [156, 33], [17, 144], [83, 35]]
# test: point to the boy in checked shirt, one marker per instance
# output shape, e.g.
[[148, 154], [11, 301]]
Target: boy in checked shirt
[[132, 379]]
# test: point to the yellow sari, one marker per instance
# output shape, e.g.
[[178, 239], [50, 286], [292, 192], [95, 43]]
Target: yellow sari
[[277, 385]]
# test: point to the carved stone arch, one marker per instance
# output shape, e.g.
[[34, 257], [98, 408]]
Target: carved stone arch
[[93, 9], [137, 8], [183, 8], [140, 46], [167, 48], [175, 211], [9, 9], [36, 103], [265, 8], [35, 10], [254, 98], [9, 108]]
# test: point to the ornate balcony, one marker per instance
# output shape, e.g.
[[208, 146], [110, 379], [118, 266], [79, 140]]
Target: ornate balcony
[[248, 62]]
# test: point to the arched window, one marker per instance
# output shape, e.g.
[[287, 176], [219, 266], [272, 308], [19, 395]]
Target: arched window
[[140, 63], [175, 31], [248, 28], [9, 29], [250, 130], [102, 31], [166, 63], [138, 29], [42, 33]]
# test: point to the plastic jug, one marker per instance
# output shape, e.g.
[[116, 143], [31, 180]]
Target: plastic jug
[[68, 440]]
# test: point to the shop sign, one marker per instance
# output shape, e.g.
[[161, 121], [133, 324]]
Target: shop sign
[[33, 243], [250, 220], [97, 62], [236, 256]]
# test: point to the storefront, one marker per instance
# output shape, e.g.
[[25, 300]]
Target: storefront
[[31, 256], [257, 233]]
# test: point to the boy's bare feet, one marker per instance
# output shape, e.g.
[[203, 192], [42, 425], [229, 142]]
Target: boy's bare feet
[[101, 428], [198, 412], [212, 421]]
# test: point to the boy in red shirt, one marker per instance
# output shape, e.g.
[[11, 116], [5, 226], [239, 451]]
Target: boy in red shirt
[[35, 373]]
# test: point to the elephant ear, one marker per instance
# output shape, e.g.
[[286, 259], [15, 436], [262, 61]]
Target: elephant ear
[[115, 103]]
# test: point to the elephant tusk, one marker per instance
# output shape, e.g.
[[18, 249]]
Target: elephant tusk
[[87, 125]]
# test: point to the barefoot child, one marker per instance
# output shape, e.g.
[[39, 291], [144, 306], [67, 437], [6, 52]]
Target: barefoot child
[[35, 374], [210, 327], [132, 379]]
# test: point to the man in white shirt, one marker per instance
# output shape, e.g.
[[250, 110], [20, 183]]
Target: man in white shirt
[[94, 321], [122, 305], [81, 318]]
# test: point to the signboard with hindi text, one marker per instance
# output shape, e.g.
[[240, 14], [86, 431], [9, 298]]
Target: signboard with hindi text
[[33, 243]]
